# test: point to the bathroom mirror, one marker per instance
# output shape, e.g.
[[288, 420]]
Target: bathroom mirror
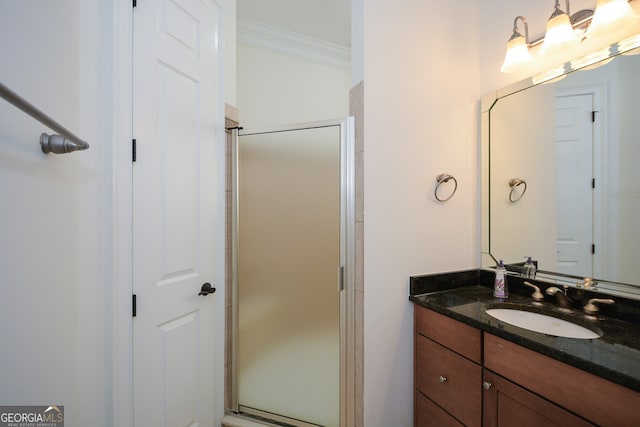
[[561, 181]]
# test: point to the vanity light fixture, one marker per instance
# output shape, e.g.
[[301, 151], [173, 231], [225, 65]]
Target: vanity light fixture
[[566, 32], [560, 35]]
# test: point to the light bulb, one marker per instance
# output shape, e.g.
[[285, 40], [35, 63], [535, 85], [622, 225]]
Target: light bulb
[[560, 35], [610, 16], [517, 55]]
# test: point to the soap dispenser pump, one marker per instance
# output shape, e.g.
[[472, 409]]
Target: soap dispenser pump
[[500, 289], [529, 269]]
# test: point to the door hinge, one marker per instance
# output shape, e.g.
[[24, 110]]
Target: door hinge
[[593, 116], [341, 278], [593, 249], [134, 307], [133, 150], [593, 183], [135, 3]]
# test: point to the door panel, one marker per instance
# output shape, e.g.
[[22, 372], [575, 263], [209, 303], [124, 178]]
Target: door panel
[[289, 198], [174, 189], [574, 151]]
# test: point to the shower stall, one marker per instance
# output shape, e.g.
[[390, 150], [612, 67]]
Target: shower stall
[[293, 263]]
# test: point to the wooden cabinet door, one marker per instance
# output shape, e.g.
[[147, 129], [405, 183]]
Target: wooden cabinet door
[[507, 404]]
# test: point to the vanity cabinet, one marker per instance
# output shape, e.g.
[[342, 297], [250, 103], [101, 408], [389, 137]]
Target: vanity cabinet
[[464, 376]]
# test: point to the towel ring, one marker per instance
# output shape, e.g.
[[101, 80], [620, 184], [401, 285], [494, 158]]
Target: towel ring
[[443, 177], [515, 183]]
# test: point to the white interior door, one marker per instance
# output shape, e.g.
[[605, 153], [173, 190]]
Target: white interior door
[[574, 151], [174, 189]]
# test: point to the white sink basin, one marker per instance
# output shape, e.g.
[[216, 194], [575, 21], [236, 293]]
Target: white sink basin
[[542, 323]]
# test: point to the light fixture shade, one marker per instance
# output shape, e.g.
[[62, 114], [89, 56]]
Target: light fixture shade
[[560, 35], [517, 55], [611, 16]]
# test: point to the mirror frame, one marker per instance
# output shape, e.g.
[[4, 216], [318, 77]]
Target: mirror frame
[[488, 259]]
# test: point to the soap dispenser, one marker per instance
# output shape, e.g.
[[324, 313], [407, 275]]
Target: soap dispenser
[[529, 269], [500, 289]]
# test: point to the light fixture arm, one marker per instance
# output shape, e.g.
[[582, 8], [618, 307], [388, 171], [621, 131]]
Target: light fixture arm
[[568, 8], [526, 28], [557, 11]]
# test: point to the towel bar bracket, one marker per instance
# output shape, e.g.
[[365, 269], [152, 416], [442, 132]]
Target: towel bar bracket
[[57, 144]]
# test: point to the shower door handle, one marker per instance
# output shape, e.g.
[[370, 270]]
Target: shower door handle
[[207, 289]]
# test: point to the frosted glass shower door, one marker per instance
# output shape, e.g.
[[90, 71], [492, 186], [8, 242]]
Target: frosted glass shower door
[[288, 343]]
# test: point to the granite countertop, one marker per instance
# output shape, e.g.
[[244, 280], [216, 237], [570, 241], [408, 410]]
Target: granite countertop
[[465, 295]]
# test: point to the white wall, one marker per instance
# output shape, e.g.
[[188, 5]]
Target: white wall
[[276, 88], [55, 221], [230, 52], [357, 41], [421, 70]]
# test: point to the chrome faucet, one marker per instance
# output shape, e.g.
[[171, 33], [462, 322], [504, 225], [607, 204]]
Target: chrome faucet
[[561, 296]]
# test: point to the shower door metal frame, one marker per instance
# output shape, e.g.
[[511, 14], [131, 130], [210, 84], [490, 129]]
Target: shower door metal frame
[[345, 275]]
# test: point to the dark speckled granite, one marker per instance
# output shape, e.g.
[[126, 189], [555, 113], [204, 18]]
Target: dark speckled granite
[[464, 296]]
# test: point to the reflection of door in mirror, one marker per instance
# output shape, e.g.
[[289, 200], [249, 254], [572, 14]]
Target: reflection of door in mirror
[[616, 231], [575, 175], [288, 249]]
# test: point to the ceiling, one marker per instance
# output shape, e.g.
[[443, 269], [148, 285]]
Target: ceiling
[[328, 20]]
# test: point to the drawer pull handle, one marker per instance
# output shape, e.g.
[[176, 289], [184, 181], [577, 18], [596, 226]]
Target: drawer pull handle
[[442, 379], [487, 385]]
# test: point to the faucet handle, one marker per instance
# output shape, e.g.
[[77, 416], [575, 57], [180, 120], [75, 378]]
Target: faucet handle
[[536, 295], [591, 308], [552, 290], [588, 283]]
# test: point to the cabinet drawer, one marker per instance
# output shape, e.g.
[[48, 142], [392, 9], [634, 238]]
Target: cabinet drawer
[[428, 414], [450, 380], [455, 335], [601, 401]]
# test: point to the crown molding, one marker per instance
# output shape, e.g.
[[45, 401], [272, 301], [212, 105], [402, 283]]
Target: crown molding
[[265, 36]]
